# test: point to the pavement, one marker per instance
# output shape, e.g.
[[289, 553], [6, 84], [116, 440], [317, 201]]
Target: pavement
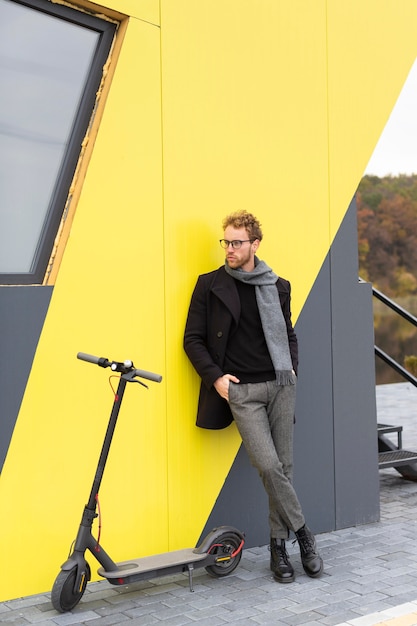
[[370, 572]]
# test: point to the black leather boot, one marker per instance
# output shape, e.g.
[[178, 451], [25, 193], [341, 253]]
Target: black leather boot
[[280, 562], [310, 558]]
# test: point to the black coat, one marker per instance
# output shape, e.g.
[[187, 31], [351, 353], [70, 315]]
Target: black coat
[[214, 311]]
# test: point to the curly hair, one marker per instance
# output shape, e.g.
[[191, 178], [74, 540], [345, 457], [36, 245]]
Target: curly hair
[[247, 220]]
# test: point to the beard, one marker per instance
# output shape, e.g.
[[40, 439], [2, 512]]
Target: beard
[[236, 262]]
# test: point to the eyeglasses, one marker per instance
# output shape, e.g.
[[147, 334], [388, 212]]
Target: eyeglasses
[[236, 243]]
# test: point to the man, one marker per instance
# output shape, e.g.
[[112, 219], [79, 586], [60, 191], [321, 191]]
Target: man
[[239, 338]]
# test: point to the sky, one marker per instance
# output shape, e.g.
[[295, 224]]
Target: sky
[[396, 150]]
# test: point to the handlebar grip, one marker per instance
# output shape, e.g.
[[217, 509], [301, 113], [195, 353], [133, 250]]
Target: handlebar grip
[[90, 358], [156, 378]]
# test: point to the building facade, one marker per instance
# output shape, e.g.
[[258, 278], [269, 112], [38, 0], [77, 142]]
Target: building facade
[[129, 129]]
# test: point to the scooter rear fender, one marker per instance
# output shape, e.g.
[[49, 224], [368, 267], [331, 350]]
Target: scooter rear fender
[[212, 536]]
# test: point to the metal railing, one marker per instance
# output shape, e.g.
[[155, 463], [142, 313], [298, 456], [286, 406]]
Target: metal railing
[[407, 316]]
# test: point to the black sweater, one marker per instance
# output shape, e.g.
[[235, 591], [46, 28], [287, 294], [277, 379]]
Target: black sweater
[[247, 355]]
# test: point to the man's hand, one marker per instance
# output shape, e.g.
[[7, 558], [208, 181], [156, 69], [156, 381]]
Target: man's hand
[[221, 385]]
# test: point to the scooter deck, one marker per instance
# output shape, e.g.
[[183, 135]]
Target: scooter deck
[[143, 565]]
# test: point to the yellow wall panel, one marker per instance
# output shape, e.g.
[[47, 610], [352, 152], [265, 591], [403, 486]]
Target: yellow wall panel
[[108, 300], [244, 111]]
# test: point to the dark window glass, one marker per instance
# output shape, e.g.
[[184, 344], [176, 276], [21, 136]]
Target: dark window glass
[[51, 61]]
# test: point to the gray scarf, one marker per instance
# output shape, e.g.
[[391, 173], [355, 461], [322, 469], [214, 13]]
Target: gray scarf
[[272, 318]]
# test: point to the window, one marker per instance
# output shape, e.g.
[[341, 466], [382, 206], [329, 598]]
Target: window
[[51, 62]]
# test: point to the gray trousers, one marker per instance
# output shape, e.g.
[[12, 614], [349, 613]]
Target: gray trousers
[[264, 416]]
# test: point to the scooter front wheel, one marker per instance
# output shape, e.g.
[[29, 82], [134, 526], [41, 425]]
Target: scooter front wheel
[[64, 595], [228, 550]]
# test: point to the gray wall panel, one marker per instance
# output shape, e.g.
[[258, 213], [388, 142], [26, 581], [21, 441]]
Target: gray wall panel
[[356, 439], [22, 314], [313, 433], [242, 503]]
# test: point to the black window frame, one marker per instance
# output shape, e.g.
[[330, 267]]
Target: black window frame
[[79, 129]]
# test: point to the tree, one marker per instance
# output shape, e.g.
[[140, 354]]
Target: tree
[[387, 233]]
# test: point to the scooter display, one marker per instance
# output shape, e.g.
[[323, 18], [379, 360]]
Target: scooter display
[[219, 552]]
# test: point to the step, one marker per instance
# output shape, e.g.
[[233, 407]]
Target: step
[[385, 428], [395, 458]]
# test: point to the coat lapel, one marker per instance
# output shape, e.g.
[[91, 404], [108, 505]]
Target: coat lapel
[[224, 288]]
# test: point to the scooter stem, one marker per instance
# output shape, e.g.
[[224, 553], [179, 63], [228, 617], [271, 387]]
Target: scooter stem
[[91, 505]]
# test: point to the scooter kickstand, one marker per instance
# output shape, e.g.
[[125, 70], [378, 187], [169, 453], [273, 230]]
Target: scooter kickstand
[[190, 568]]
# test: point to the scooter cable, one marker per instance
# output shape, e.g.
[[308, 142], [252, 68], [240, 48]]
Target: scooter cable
[[112, 388], [99, 523]]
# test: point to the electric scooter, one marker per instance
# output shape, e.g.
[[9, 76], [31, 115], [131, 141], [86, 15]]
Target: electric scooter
[[219, 552]]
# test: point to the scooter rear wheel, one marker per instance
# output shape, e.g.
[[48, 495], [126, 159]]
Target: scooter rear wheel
[[63, 596], [225, 545]]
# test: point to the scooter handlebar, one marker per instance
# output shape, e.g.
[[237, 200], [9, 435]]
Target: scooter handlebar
[[103, 362]]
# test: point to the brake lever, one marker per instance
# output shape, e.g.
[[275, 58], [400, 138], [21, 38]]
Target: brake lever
[[130, 377]]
